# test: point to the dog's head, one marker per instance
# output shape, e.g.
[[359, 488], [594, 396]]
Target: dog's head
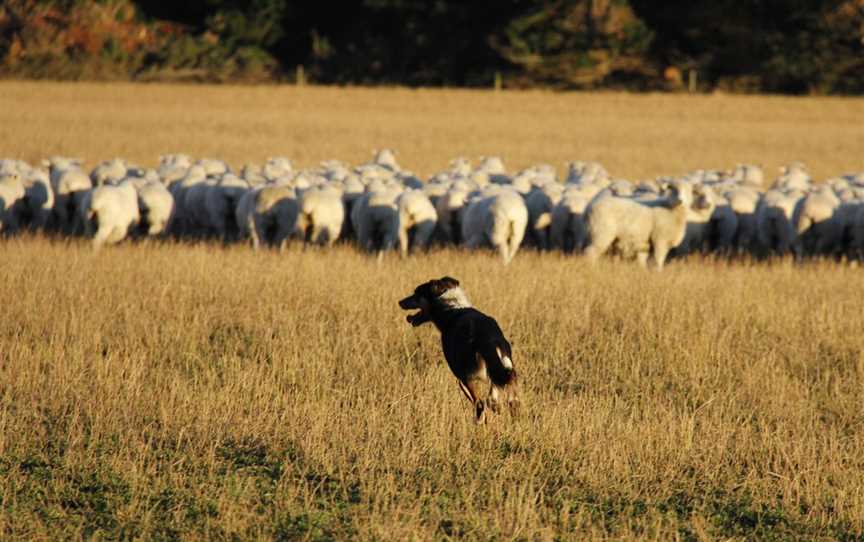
[[442, 293]]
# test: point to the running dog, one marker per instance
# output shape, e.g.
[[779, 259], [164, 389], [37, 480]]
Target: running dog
[[474, 346]]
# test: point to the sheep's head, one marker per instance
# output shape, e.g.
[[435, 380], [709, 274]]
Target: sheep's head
[[681, 193], [455, 199], [10, 178], [703, 198]]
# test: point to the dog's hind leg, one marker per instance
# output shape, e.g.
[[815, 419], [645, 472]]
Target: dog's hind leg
[[471, 389], [494, 399], [474, 385], [513, 403]]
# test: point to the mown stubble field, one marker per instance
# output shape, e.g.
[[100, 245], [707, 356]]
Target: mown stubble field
[[634, 136], [164, 389]]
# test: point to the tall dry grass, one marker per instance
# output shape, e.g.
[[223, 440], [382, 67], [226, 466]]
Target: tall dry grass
[[635, 136], [164, 390], [190, 390]]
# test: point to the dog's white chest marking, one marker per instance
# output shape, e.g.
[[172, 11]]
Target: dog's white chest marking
[[455, 298]]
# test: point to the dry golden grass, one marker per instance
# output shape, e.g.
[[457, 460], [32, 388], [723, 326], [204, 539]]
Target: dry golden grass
[[634, 136], [165, 390], [189, 390]]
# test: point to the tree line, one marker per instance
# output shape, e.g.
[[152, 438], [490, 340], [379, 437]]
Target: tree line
[[780, 46]]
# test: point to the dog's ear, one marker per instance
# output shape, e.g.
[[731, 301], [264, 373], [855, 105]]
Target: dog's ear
[[437, 287], [449, 282]]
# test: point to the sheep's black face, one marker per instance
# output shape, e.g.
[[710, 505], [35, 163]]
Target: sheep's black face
[[423, 298], [702, 202]]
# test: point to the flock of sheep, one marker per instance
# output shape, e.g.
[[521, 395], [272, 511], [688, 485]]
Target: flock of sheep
[[383, 207]]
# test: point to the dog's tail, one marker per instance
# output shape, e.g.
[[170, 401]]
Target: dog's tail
[[499, 367], [499, 363]]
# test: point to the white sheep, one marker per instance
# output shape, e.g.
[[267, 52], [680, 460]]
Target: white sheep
[[449, 209], [793, 176], [540, 203], [221, 203], [70, 184], [493, 165], [744, 202], [109, 213], [579, 172], [156, 207], [109, 172], [748, 175], [497, 218], [568, 230], [374, 217], [213, 168], [724, 226], [268, 214], [277, 168], [193, 213], [387, 159], [321, 215], [176, 159], [39, 199], [639, 229], [699, 214], [173, 168], [856, 240], [253, 175], [352, 191], [435, 190], [774, 227], [12, 202], [846, 216], [817, 227], [416, 219], [460, 167]]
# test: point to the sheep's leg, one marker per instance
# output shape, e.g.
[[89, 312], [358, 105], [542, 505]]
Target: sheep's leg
[[307, 233], [642, 258], [74, 216], [597, 248], [661, 250], [117, 234], [332, 236], [101, 237], [504, 251], [61, 212], [364, 236], [423, 234], [579, 238], [474, 241], [514, 241], [403, 240], [556, 237], [318, 235], [391, 238], [256, 231], [12, 223]]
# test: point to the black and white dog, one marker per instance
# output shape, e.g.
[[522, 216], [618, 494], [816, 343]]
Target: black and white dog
[[474, 346]]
